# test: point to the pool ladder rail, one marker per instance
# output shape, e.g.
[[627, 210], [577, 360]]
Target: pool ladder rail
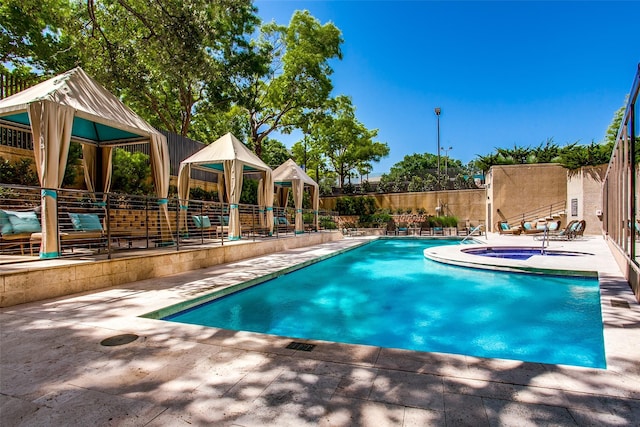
[[473, 230]]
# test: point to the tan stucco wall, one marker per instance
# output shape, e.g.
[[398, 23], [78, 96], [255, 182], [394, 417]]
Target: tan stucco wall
[[516, 189], [585, 186], [463, 204], [13, 154]]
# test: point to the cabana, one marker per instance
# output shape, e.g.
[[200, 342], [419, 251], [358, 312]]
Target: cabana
[[230, 159], [74, 107], [290, 176]]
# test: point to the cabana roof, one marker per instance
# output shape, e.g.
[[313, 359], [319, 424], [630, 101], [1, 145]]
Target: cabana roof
[[100, 117], [284, 174], [227, 147]]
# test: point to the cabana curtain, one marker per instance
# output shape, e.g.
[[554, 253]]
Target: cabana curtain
[[51, 127]]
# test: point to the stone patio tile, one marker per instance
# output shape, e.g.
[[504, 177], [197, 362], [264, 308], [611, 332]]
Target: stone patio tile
[[346, 353], [346, 412], [415, 417], [586, 418], [15, 411], [285, 414], [429, 363], [357, 383], [201, 412], [507, 371], [253, 384], [596, 381], [464, 410], [409, 389], [508, 413], [625, 408], [292, 386], [81, 407], [504, 391]]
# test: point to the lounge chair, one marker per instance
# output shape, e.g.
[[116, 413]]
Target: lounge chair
[[505, 228], [571, 231], [537, 227]]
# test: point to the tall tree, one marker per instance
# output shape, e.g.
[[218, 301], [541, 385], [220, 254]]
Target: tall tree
[[33, 34], [166, 57], [345, 141], [297, 76]]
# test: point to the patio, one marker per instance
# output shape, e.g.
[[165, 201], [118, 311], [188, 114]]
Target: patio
[[54, 370]]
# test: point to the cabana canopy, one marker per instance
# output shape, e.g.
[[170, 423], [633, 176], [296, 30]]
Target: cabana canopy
[[290, 176], [72, 106], [230, 159]]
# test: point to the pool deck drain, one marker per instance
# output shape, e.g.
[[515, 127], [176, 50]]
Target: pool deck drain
[[301, 346], [53, 370]]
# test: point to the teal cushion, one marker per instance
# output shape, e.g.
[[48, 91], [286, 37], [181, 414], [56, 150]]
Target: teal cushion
[[85, 222], [541, 226], [24, 222], [553, 226], [75, 221], [5, 224], [504, 226], [282, 220], [527, 225], [224, 220], [202, 221]]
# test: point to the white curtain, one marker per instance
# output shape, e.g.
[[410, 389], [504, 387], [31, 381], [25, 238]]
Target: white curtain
[[315, 201], [184, 177], [51, 127], [268, 199], [297, 186], [233, 185], [160, 171], [90, 165]]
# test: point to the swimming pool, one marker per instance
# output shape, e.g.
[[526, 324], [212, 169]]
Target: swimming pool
[[387, 294]]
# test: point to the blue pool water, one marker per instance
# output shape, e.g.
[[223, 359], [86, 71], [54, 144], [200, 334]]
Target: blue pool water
[[519, 253], [387, 294]]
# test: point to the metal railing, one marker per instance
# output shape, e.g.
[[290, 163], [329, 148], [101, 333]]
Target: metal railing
[[556, 209], [105, 223]]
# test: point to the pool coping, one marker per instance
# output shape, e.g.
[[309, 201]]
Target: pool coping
[[572, 266]]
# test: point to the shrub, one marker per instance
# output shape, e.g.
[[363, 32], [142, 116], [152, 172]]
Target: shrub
[[19, 172], [327, 223]]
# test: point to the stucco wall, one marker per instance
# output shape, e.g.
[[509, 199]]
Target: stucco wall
[[516, 189], [585, 187], [463, 204]]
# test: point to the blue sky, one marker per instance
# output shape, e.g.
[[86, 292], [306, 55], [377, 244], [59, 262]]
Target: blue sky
[[503, 73]]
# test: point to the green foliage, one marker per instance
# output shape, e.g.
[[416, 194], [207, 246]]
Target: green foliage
[[346, 143], [199, 193], [249, 193], [575, 156], [327, 223], [362, 205], [442, 221], [294, 75], [20, 172], [131, 173], [169, 59], [32, 34], [274, 153]]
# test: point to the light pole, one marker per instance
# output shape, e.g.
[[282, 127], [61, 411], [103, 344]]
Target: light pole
[[437, 110], [446, 159]]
